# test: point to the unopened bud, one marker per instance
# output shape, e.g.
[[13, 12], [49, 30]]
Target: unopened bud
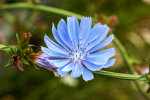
[[142, 70], [42, 60], [26, 36], [101, 18], [28, 49], [113, 20]]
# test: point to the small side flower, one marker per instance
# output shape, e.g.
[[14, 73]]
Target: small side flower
[[41, 60]]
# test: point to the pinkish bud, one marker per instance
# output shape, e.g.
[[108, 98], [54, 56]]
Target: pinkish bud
[[142, 70], [113, 20], [26, 36]]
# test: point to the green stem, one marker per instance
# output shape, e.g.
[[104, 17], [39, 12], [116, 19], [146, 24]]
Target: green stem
[[40, 7], [125, 55], [129, 66], [67, 13], [121, 76]]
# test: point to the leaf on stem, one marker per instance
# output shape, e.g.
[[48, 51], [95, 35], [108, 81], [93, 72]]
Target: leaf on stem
[[9, 62], [25, 61]]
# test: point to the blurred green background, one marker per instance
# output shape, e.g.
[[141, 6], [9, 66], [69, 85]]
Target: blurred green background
[[132, 29]]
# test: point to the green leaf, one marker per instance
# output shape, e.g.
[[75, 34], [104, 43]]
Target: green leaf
[[13, 50], [25, 61], [9, 62], [4, 48]]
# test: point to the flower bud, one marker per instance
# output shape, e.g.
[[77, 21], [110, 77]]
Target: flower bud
[[101, 18], [28, 49], [26, 36], [42, 60], [142, 70], [113, 20]]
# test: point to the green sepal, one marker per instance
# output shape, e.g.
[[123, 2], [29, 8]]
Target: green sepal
[[144, 78], [13, 50]]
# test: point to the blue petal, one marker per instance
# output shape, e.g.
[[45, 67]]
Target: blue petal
[[69, 67], [60, 63], [73, 29], [77, 71], [61, 73], [109, 63], [97, 60], [58, 39], [53, 53], [107, 53], [86, 74], [94, 67], [85, 27], [96, 41], [41, 63], [103, 43], [53, 46], [91, 66], [63, 33], [97, 31], [100, 57]]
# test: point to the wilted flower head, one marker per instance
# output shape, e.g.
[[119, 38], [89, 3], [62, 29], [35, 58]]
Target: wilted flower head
[[78, 48], [17, 62]]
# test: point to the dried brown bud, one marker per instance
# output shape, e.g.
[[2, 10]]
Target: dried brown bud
[[17, 62], [26, 36], [113, 20], [101, 18], [110, 30], [35, 56], [28, 49]]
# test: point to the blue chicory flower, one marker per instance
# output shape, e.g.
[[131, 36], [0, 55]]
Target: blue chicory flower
[[78, 48]]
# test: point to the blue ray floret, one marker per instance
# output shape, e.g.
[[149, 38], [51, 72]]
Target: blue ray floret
[[78, 48], [42, 61]]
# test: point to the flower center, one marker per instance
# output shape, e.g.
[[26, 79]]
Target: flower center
[[77, 55]]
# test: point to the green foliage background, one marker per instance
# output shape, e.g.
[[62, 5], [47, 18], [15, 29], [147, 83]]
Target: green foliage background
[[133, 16]]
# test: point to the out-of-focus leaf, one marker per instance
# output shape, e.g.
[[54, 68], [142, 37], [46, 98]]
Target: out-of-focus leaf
[[13, 50], [2, 46], [9, 62], [5, 48], [25, 61]]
